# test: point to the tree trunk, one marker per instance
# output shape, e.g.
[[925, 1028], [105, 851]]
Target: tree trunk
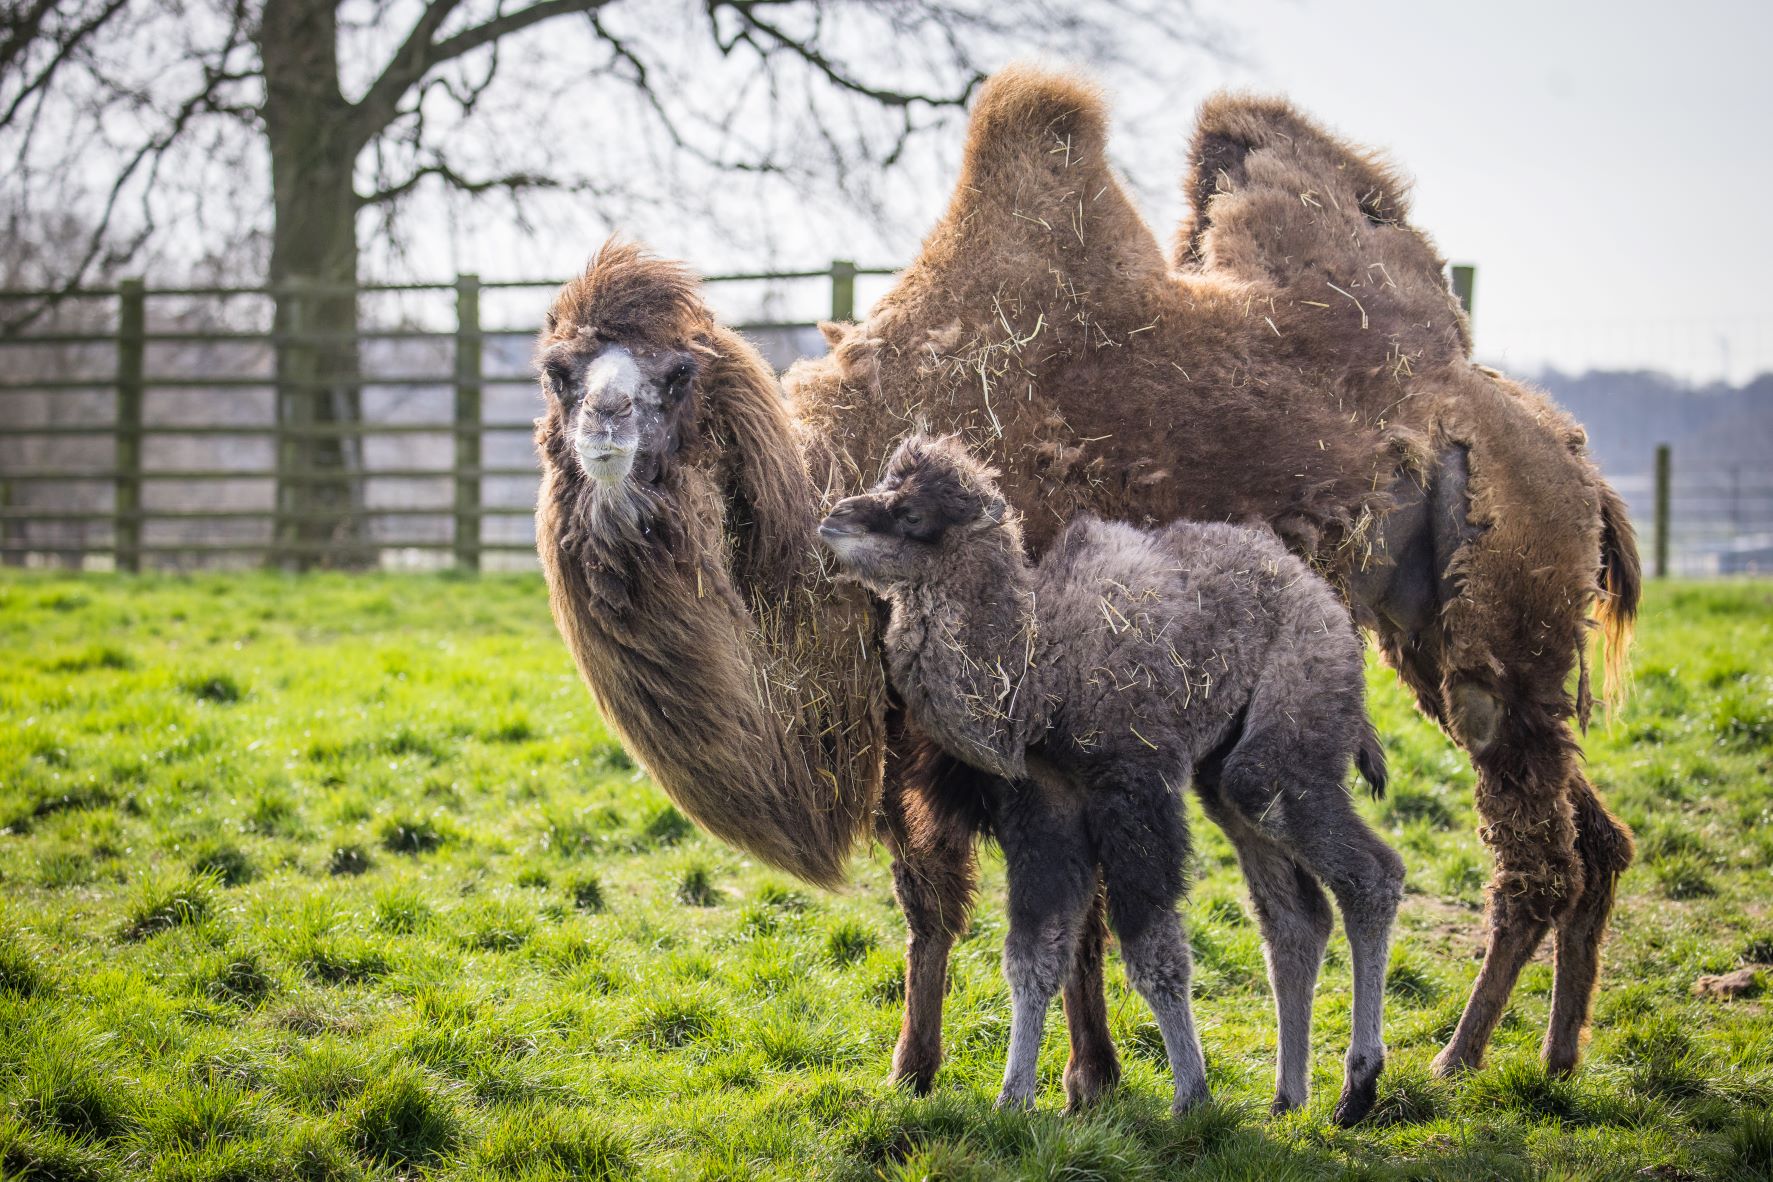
[[314, 273]]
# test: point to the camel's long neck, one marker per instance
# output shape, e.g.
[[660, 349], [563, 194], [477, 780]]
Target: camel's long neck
[[961, 649], [747, 684]]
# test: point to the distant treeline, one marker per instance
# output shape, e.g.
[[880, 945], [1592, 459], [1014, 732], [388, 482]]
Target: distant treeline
[[1711, 429]]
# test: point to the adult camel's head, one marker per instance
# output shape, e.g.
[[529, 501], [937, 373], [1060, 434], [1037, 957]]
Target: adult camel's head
[[653, 410], [675, 529]]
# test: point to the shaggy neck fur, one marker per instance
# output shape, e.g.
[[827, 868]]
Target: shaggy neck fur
[[961, 649], [745, 684]]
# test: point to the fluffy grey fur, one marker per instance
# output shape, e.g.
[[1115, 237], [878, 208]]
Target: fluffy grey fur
[[1126, 664]]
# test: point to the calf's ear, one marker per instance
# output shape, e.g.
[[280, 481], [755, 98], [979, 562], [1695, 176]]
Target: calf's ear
[[992, 512]]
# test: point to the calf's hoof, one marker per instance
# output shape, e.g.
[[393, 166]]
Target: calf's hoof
[[1015, 1101], [1186, 1101], [1359, 1090], [1284, 1104]]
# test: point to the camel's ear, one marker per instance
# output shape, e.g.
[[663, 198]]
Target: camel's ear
[[833, 332], [549, 322], [992, 512]]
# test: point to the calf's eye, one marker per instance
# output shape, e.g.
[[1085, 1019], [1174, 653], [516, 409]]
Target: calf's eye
[[912, 519]]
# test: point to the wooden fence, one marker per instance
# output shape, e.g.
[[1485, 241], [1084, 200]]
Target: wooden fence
[[123, 522]]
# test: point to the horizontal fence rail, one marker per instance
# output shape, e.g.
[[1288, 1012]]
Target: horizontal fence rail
[[179, 426], [148, 438]]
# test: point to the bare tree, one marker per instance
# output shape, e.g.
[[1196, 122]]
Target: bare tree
[[302, 124]]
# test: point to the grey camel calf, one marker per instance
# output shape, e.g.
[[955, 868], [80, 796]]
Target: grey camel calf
[[1096, 685]]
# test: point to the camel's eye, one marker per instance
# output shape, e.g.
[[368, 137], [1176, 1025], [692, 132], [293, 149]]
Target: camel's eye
[[911, 518], [625, 410]]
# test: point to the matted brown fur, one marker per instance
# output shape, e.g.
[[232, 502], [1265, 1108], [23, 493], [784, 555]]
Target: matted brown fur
[[713, 646], [1300, 354]]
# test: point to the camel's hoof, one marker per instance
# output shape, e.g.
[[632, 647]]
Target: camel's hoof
[[1560, 1064], [1283, 1105], [914, 1072], [1084, 1087], [1450, 1063]]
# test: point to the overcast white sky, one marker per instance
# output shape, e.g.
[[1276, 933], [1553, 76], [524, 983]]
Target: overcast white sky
[[1607, 164]]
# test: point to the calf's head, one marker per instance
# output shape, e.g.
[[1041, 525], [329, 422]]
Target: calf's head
[[935, 505]]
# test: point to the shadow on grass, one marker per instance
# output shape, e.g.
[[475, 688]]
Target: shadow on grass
[[1133, 1136]]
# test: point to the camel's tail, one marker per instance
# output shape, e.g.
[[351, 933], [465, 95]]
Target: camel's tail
[[1621, 585], [1276, 199], [1369, 760]]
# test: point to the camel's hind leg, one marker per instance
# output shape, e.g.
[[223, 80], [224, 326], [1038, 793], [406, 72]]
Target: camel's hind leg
[[1605, 847], [1093, 1068]]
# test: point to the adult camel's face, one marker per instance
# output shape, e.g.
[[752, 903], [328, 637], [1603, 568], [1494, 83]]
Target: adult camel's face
[[623, 405]]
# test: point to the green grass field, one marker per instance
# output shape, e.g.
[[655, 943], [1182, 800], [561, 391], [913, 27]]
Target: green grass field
[[334, 877]]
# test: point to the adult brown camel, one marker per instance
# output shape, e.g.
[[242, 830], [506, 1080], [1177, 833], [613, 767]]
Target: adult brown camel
[[1302, 365]]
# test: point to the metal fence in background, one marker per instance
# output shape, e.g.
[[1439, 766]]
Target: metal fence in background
[[148, 435]]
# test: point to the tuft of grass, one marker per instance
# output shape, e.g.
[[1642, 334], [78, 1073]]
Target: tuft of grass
[[217, 688], [696, 888], [1685, 876], [239, 976], [673, 1019], [225, 862], [62, 1086], [161, 903], [536, 1141], [22, 972], [403, 1119], [401, 911], [1408, 1096], [410, 834], [348, 861], [663, 827], [1748, 1147], [586, 892], [848, 941], [94, 657]]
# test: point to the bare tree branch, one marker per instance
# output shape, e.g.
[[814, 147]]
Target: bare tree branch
[[419, 54]]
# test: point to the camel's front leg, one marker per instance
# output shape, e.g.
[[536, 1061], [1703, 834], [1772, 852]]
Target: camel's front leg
[[934, 877]]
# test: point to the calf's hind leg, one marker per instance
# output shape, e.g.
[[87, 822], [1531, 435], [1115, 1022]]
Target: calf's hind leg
[[1295, 920], [1311, 816], [1139, 837]]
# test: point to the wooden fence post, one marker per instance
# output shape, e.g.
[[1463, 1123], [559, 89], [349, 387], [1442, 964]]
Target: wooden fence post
[[1661, 547], [295, 411], [132, 344], [1464, 284], [843, 290], [468, 422]]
